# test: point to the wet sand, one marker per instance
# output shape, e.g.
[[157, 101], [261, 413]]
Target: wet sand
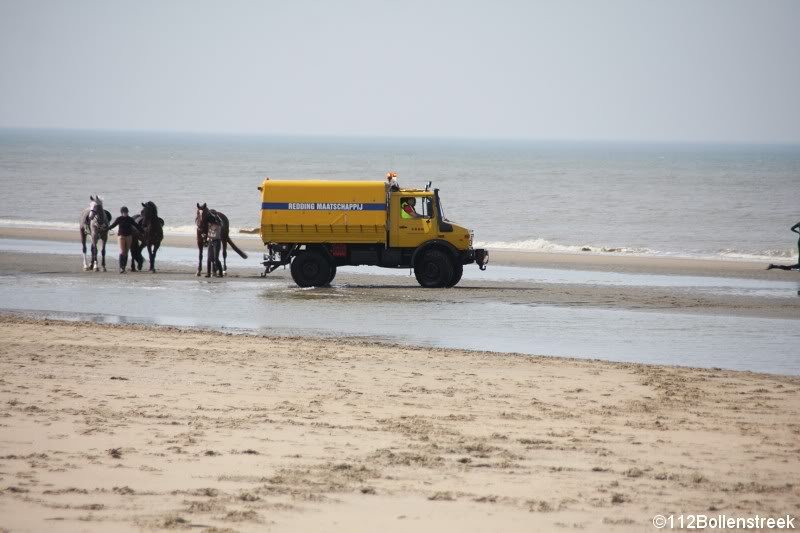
[[112, 428], [515, 292], [587, 261]]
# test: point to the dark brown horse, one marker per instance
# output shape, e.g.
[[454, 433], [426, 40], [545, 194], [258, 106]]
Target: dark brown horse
[[150, 238], [201, 221]]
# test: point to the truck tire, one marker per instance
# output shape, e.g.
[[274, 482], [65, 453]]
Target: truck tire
[[331, 275], [434, 269], [458, 271], [311, 269]]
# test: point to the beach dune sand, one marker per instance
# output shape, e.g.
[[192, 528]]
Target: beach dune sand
[[113, 428]]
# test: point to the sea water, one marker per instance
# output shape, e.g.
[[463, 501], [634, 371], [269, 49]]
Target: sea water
[[693, 200]]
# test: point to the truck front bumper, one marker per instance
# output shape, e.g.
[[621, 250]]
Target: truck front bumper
[[479, 256], [482, 258]]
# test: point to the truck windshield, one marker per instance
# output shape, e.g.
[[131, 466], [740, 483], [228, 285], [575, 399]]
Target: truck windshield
[[441, 209], [426, 208]]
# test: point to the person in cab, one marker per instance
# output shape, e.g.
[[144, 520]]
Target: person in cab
[[407, 208]]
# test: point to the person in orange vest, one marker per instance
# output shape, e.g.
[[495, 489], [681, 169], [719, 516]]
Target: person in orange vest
[[391, 180]]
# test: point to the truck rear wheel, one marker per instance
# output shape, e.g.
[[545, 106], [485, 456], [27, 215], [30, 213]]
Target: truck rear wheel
[[434, 269], [311, 269], [458, 271]]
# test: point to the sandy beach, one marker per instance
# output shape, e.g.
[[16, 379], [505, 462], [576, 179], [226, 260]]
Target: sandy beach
[[621, 352], [110, 428]]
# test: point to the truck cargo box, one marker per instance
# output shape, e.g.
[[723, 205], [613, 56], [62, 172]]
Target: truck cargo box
[[318, 211]]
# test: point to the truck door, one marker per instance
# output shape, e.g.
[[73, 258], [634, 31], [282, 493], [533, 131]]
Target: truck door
[[412, 219]]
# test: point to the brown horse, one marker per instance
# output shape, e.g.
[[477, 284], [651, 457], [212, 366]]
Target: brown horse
[[201, 221], [150, 238]]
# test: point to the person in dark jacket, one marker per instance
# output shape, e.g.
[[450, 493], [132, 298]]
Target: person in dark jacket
[[214, 237], [125, 235], [796, 229]]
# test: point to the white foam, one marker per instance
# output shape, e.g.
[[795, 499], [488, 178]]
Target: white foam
[[184, 230], [543, 245], [39, 224], [764, 254], [180, 230], [528, 245]]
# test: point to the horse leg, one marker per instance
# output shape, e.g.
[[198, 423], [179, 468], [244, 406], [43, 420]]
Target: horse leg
[[217, 264], [210, 259], [94, 256], [136, 254], [133, 251], [200, 258], [104, 255], [83, 245], [156, 246], [139, 256], [224, 257], [152, 254]]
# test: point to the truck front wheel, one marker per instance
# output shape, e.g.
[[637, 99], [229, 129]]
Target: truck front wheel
[[458, 271], [434, 269], [331, 275], [311, 269]]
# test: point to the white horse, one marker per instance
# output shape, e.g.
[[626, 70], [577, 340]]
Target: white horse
[[94, 221]]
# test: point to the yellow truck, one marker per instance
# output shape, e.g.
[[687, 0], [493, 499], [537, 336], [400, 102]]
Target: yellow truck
[[319, 225]]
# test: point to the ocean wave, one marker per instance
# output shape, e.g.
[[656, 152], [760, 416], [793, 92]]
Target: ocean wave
[[38, 224], [188, 229], [192, 230], [526, 245], [764, 254], [545, 246]]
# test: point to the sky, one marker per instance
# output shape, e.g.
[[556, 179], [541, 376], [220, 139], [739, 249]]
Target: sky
[[699, 70]]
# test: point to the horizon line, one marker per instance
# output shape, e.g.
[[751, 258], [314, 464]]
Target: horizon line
[[376, 136]]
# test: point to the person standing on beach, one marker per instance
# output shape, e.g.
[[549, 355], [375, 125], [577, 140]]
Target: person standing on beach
[[796, 229], [214, 237], [125, 235]]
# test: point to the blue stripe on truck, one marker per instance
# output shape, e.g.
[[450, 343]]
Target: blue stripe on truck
[[321, 206]]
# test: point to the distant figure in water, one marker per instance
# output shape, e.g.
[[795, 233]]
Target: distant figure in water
[[796, 229]]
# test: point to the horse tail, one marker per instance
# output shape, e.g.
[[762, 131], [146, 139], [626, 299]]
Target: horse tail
[[235, 248]]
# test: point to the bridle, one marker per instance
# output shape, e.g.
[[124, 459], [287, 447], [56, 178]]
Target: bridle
[[97, 215]]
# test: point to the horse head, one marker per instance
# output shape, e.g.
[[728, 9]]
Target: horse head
[[149, 211], [96, 211], [202, 216]]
